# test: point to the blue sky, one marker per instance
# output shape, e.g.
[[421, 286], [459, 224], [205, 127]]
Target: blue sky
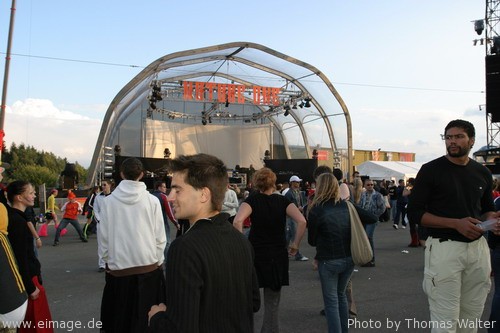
[[404, 68]]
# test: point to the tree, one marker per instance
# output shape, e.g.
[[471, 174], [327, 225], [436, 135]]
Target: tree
[[36, 167], [36, 175]]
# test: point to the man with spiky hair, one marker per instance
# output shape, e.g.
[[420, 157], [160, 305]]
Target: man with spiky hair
[[211, 281]]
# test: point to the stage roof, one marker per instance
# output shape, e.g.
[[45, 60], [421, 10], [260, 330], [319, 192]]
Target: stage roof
[[307, 111]]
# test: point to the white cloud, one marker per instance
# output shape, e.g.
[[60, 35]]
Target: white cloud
[[38, 123]]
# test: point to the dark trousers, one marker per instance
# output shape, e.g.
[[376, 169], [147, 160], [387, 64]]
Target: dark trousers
[[400, 213], [127, 300]]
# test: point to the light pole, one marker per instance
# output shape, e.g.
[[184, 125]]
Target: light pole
[[6, 77]]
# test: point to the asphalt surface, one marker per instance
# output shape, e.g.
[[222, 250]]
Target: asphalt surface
[[385, 295]]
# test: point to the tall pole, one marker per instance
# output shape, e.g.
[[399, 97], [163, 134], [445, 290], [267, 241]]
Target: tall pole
[[6, 76]]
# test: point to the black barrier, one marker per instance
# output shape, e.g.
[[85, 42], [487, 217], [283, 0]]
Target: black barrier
[[284, 169], [155, 169]]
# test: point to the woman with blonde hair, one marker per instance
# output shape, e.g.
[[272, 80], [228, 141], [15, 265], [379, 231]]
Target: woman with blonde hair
[[268, 211], [357, 190], [329, 226]]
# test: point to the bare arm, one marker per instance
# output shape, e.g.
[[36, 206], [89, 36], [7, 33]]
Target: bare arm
[[294, 213], [243, 213]]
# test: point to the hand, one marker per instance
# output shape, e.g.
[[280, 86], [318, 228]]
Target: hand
[[155, 309], [34, 295], [467, 227], [496, 228], [38, 243], [292, 250]]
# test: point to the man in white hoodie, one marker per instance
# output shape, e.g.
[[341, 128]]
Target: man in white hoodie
[[132, 243]]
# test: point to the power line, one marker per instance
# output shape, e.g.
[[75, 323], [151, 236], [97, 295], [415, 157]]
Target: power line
[[337, 83], [407, 88], [76, 60]]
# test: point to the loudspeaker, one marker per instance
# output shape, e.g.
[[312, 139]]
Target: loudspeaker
[[493, 86]]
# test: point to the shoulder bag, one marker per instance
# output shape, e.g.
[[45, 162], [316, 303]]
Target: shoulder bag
[[361, 250]]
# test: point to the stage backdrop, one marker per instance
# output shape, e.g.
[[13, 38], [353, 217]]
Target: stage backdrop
[[235, 145]]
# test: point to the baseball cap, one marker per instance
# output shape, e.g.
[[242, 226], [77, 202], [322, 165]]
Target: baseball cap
[[295, 179]]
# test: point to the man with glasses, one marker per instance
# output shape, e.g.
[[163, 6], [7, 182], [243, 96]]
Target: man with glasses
[[98, 203], [373, 202], [451, 195]]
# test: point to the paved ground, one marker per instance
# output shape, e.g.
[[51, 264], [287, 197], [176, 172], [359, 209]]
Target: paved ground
[[386, 294]]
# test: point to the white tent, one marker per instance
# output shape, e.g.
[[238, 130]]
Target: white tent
[[379, 170]]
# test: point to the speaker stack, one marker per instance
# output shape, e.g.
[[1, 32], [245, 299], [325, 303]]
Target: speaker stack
[[493, 86]]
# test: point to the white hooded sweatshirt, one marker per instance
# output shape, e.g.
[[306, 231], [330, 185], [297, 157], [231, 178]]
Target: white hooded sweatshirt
[[131, 227]]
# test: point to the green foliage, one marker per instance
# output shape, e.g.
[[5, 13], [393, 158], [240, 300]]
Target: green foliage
[[37, 175], [37, 167]]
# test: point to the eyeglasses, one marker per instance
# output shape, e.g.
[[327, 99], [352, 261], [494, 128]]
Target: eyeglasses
[[449, 137]]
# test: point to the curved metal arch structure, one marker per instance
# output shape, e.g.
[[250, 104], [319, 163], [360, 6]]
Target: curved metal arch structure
[[308, 113]]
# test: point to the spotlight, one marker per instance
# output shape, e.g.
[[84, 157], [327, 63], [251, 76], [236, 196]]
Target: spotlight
[[227, 102], [294, 106], [210, 120], [157, 92], [479, 26], [152, 105], [204, 122], [166, 153], [307, 104], [287, 110], [118, 150], [267, 155], [301, 104]]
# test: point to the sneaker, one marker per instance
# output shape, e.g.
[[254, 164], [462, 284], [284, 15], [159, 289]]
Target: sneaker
[[101, 269], [55, 243], [322, 313], [404, 227], [84, 240], [395, 226], [303, 258]]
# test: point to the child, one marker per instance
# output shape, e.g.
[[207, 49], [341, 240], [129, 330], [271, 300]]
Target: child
[[70, 210]]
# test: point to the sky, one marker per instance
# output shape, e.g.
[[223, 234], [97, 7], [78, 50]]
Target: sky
[[403, 68]]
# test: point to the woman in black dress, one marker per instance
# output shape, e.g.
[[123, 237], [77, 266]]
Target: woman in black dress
[[268, 211]]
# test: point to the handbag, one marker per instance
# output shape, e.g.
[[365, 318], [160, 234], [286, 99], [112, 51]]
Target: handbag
[[361, 250], [38, 311]]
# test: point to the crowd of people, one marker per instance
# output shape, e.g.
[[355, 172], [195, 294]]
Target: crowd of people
[[244, 238]]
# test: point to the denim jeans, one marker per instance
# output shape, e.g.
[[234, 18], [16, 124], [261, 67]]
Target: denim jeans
[[495, 304], [393, 209], [370, 231], [167, 245], [64, 223], [291, 230], [334, 276], [400, 213]]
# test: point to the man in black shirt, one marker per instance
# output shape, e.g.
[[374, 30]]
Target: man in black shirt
[[452, 194], [210, 275]]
